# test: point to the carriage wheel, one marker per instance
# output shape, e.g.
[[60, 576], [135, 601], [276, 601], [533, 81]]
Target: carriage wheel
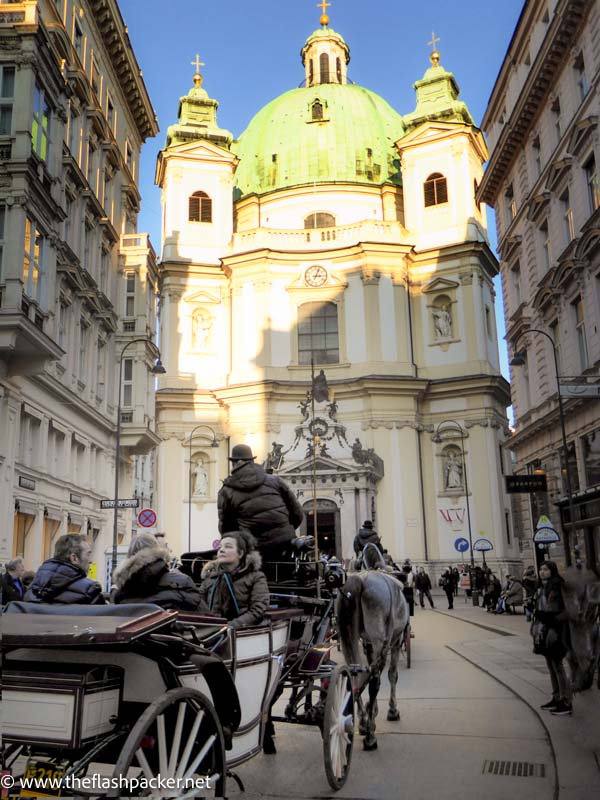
[[178, 736], [406, 645], [338, 727]]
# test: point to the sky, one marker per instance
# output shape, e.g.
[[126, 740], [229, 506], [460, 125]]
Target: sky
[[251, 53]]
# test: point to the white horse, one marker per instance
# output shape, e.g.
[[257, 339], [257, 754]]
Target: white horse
[[372, 611]]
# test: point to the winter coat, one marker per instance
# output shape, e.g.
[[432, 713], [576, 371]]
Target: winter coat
[[145, 577], [422, 582], [367, 536], [241, 596], [514, 594], [447, 582], [549, 628], [10, 589], [251, 500], [58, 581], [529, 584]]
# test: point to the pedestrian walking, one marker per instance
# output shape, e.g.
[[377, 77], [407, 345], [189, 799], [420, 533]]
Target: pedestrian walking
[[409, 586], [549, 630], [447, 585], [423, 587], [455, 580], [529, 588]]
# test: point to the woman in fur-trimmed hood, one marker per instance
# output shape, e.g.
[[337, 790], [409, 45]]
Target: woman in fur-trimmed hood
[[145, 577], [233, 585]]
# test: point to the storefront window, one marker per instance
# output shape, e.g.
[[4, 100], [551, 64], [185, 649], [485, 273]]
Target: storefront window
[[591, 455]]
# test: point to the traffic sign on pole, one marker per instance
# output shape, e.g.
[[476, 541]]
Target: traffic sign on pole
[[147, 517], [545, 533], [461, 544], [132, 503], [483, 545]]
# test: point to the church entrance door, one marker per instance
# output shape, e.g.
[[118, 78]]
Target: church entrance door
[[328, 527]]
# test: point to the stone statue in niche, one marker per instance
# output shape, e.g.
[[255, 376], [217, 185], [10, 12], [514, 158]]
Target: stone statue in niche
[[453, 471], [201, 330], [200, 476], [442, 322]]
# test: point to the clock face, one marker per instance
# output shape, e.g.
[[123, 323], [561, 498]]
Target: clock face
[[315, 276]]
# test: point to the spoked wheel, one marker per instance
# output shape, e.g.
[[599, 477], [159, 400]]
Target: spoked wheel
[[178, 736], [406, 644], [338, 727]]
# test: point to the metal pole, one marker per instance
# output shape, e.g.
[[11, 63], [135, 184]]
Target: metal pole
[[314, 476], [115, 542], [561, 416], [474, 590], [190, 496]]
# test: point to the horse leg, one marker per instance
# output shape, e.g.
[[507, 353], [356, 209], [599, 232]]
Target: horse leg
[[362, 714], [393, 713], [370, 740]]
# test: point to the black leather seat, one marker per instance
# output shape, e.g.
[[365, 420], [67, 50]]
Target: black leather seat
[[81, 610]]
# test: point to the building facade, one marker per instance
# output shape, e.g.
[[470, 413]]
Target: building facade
[[333, 229], [542, 179], [77, 282]]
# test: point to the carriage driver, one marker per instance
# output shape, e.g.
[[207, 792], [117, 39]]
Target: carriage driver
[[262, 504]]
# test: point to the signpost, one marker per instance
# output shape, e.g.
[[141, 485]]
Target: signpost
[[461, 544], [131, 503], [525, 484], [579, 389], [147, 517], [483, 546]]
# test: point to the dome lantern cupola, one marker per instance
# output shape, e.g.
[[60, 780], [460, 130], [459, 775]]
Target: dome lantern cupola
[[325, 55], [197, 116]]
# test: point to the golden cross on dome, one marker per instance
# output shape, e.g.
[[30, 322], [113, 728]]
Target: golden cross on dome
[[434, 40], [197, 77], [323, 5]]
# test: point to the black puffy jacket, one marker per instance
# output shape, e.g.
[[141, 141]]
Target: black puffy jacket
[[59, 581], [367, 536], [146, 578], [251, 500]]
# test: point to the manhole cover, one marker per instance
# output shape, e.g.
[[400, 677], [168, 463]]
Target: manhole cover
[[517, 769]]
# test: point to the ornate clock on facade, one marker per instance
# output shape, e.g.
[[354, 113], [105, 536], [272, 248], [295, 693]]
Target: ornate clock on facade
[[315, 276]]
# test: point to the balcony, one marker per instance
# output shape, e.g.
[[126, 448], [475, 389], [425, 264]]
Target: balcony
[[23, 344], [136, 434], [319, 238], [24, 13]]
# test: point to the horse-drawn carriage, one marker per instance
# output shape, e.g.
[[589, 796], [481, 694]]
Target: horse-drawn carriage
[[132, 700]]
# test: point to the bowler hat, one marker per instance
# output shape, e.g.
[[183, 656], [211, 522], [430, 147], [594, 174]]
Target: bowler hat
[[367, 524], [241, 452]]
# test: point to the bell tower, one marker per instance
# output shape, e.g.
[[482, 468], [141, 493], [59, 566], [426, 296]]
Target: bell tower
[[325, 54]]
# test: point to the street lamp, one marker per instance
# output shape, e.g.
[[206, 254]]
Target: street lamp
[[463, 435], [518, 360], [214, 443], [157, 369]]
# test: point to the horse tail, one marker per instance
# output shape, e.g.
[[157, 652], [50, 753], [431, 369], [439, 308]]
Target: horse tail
[[349, 618]]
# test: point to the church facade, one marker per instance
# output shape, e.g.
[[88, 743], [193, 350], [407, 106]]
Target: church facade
[[335, 231]]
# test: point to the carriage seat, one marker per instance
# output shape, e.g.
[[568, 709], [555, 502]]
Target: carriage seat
[[82, 610]]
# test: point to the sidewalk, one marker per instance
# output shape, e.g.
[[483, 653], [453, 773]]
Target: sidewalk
[[510, 660]]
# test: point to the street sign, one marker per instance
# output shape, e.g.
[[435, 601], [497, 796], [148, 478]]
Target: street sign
[[461, 544], [545, 533], [147, 517], [525, 484], [579, 389], [132, 503], [483, 545]]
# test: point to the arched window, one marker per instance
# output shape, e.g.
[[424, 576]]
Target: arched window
[[311, 72], [200, 208], [324, 67], [435, 190], [338, 69], [317, 110], [318, 333], [319, 220]]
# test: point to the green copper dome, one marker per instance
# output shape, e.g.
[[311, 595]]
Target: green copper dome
[[322, 134]]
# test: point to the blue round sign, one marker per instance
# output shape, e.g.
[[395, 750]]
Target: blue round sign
[[461, 544]]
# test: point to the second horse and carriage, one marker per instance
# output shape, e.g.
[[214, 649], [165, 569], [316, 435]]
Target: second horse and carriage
[[167, 704]]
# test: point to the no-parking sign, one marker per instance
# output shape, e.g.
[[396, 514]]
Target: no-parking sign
[[147, 517]]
